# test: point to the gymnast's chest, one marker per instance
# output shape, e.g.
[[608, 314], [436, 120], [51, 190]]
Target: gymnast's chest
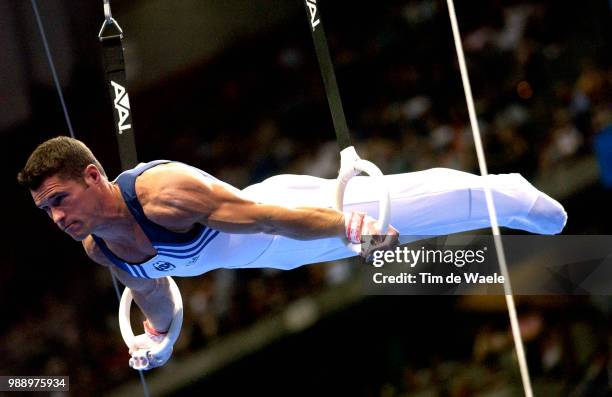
[[138, 250]]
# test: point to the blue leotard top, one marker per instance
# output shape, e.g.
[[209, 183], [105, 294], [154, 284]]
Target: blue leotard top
[[178, 254]]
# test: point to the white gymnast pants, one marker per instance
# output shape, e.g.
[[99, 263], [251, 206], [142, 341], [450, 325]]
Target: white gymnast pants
[[438, 201]]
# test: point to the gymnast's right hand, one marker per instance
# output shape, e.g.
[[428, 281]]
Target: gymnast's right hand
[[365, 230], [143, 344]]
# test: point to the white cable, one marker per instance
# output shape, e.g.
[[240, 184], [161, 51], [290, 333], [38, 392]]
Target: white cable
[[58, 87], [107, 10], [499, 248], [143, 381]]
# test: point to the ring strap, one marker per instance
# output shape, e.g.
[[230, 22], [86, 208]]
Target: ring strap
[[313, 13], [111, 37]]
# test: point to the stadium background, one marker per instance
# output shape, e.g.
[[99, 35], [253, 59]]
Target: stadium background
[[233, 88]]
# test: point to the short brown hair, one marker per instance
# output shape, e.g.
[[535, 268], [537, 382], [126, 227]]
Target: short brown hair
[[62, 156]]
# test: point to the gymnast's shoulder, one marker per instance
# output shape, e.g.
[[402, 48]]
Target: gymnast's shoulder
[[176, 196]]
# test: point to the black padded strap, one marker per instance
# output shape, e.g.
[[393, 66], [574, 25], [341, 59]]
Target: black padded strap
[[313, 14], [111, 37]]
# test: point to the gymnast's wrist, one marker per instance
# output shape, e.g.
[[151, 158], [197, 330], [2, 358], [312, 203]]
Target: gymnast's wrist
[[353, 224], [151, 331]]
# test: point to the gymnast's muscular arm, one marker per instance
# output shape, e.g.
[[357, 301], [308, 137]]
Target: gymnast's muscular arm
[[152, 296], [177, 199]]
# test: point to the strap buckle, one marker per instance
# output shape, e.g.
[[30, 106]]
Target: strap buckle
[[110, 30]]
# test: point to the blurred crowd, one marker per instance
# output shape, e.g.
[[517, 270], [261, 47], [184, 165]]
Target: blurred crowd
[[542, 82], [566, 344], [541, 93]]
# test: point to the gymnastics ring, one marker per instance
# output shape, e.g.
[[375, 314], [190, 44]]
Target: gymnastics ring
[[168, 342], [350, 166]]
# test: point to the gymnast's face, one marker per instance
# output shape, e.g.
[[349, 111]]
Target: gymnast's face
[[71, 204]]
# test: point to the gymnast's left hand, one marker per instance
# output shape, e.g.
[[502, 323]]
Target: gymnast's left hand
[[362, 228], [143, 344]]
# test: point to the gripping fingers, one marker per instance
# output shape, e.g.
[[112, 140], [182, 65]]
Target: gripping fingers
[[144, 360], [147, 352], [380, 242], [140, 360]]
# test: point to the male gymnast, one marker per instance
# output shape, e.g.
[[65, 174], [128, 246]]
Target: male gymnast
[[166, 218]]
